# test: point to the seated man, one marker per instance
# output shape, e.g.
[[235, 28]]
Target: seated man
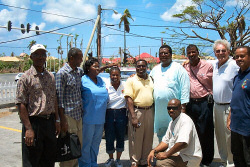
[[181, 141]]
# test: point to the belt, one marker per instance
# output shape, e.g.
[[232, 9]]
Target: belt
[[144, 108], [120, 109], [199, 99], [48, 116], [222, 103]]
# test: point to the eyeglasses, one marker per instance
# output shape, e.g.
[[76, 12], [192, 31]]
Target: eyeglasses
[[221, 50], [172, 108], [164, 53], [39, 55], [141, 66]]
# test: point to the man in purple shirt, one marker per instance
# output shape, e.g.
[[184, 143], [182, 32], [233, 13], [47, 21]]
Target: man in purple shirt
[[199, 108]]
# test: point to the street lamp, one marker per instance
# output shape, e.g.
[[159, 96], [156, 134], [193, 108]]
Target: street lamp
[[99, 33]]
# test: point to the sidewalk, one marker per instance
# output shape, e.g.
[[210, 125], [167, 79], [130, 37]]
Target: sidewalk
[[10, 155]]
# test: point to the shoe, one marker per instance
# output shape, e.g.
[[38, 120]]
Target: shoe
[[109, 162], [118, 163]]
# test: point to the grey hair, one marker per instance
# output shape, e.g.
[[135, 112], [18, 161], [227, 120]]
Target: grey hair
[[222, 42]]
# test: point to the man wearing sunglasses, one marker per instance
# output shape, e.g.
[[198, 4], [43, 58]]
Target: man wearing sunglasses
[[224, 71], [180, 146], [37, 104]]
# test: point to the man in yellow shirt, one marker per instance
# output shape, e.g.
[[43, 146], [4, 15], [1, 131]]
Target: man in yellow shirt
[[139, 95]]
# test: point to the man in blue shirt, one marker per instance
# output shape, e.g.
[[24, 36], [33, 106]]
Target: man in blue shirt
[[239, 117]]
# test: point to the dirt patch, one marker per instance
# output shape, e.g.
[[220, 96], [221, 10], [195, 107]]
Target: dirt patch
[[5, 113]]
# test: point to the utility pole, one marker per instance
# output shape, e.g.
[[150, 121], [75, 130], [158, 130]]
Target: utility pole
[[99, 36]]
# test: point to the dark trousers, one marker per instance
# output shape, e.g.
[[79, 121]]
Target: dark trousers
[[201, 113], [43, 151], [115, 128], [240, 147]]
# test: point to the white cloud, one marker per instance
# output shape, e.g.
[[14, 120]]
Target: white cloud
[[116, 16], [77, 9], [16, 16], [232, 3], [176, 8], [149, 5]]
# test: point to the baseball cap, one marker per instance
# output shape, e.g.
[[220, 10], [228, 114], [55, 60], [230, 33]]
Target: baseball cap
[[36, 47]]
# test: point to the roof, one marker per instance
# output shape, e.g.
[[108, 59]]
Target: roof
[[10, 59]]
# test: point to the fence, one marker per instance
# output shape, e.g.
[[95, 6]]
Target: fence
[[7, 92]]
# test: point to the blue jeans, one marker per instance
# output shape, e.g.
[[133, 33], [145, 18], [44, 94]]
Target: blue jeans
[[115, 128]]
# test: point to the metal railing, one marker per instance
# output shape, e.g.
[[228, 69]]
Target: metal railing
[[7, 92]]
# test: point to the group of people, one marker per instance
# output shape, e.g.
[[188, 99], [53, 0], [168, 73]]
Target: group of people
[[183, 104]]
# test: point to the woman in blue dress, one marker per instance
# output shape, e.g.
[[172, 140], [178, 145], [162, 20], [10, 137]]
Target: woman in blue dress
[[94, 99]]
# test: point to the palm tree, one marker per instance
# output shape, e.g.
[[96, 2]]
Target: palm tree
[[124, 19], [31, 44]]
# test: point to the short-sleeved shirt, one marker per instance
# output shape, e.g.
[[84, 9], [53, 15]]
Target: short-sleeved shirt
[[204, 72], [116, 97], [240, 104], [223, 80], [169, 82], [68, 87], [182, 129], [94, 100], [37, 91], [140, 90]]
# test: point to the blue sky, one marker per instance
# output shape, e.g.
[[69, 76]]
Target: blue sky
[[150, 19]]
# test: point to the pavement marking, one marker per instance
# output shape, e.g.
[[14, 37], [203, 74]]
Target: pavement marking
[[16, 130]]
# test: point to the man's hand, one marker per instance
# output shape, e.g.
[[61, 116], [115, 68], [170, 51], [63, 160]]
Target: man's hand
[[29, 137], [64, 124], [150, 157], [135, 122], [161, 155], [58, 128], [228, 122]]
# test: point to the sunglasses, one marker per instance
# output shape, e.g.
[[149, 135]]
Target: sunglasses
[[221, 50], [39, 55], [172, 108]]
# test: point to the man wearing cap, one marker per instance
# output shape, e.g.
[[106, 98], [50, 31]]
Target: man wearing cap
[[68, 87], [37, 104]]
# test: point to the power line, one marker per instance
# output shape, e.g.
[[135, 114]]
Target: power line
[[45, 32], [42, 12]]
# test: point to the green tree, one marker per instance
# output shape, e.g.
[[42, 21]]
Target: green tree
[[31, 44], [124, 19], [213, 15]]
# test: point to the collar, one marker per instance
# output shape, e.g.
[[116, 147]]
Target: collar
[[226, 63], [34, 72], [244, 72], [141, 79], [69, 69]]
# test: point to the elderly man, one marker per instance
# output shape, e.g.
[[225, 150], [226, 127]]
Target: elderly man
[[139, 95], [224, 71], [68, 86], [37, 103], [239, 117], [199, 108], [170, 81], [181, 141]]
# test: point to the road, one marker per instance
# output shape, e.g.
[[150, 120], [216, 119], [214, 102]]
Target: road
[[10, 154], [10, 77]]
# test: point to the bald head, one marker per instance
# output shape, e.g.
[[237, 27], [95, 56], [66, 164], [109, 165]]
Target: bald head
[[174, 108]]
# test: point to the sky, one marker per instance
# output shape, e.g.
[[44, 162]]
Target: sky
[[151, 18]]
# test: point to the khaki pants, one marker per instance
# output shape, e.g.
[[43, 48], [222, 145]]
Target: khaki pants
[[223, 135], [74, 126], [171, 161], [141, 139]]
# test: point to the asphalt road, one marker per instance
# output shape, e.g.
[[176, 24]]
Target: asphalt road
[[10, 154], [10, 77]]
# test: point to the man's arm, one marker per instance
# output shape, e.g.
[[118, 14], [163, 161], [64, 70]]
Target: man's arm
[[107, 66], [131, 109], [177, 147], [29, 132], [161, 147]]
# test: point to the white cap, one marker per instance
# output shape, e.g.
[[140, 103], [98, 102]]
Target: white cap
[[36, 47]]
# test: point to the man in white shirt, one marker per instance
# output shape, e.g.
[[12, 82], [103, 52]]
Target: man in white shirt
[[224, 71], [180, 146]]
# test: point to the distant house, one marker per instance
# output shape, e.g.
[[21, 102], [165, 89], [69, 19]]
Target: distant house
[[10, 59]]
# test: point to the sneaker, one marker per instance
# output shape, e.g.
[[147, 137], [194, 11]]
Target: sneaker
[[118, 163], [109, 162]]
